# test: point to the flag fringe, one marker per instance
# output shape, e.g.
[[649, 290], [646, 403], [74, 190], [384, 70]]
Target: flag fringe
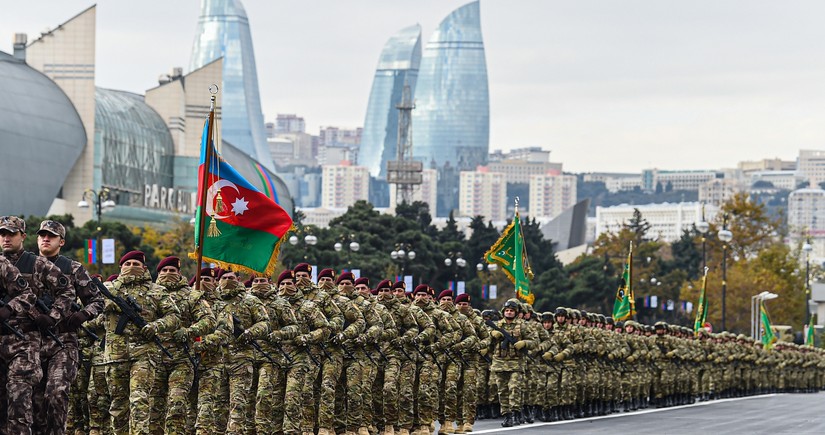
[[268, 271]]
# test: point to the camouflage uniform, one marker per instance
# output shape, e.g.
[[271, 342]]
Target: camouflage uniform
[[19, 357], [132, 359], [97, 391], [422, 331], [174, 377], [507, 366], [407, 329], [468, 394], [429, 374], [465, 345], [283, 326], [209, 406], [60, 363], [374, 373], [238, 353]]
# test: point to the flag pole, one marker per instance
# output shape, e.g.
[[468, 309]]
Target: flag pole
[[204, 180], [515, 216]]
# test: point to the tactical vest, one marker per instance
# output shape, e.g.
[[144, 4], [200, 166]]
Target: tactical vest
[[25, 264]]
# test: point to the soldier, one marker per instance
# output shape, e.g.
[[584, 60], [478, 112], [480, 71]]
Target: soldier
[[507, 359], [312, 330], [49, 284], [331, 373], [455, 364], [59, 362], [468, 394], [207, 401], [174, 378], [19, 357], [283, 326], [249, 321], [131, 355]]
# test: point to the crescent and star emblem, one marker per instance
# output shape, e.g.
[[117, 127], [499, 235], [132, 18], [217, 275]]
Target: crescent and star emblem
[[239, 206]]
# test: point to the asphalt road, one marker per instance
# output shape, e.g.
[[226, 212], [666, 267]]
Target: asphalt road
[[769, 414]]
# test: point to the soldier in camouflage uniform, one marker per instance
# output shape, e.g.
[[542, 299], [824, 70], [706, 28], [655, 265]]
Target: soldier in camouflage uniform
[[313, 327], [97, 392], [413, 335], [19, 358], [474, 355], [548, 375], [507, 366], [206, 404], [59, 362], [455, 363], [132, 356], [249, 321], [335, 319], [332, 371], [487, 392], [174, 377], [283, 326], [406, 329]]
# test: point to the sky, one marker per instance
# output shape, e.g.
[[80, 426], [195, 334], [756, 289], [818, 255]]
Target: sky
[[607, 85]]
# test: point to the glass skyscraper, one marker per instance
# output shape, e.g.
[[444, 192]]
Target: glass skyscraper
[[451, 120], [397, 67], [223, 31]]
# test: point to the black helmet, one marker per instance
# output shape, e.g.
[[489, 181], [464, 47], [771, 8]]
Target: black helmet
[[512, 303], [547, 316], [561, 311]]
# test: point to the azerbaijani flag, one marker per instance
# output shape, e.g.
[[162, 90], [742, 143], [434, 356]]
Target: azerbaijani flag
[[251, 225], [91, 251]]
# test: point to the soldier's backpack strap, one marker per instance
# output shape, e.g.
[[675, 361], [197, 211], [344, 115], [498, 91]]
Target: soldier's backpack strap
[[64, 264], [25, 264]]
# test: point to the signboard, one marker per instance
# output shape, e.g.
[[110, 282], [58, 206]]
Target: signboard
[[108, 251]]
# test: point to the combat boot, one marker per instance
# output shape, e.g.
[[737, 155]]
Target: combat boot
[[94, 432], [459, 428], [466, 428], [322, 431], [495, 409], [446, 428], [403, 432], [388, 430], [508, 420], [363, 430], [527, 412]]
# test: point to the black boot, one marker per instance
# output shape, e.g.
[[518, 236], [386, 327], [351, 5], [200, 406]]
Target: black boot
[[495, 410], [518, 418], [527, 412], [508, 420]]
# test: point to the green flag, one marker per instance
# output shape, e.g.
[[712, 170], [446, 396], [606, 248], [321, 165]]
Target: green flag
[[702, 307], [768, 337], [624, 307], [809, 336], [509, 253]]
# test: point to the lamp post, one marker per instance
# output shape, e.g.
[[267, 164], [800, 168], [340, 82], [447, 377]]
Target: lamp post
[[487, 268], [309, 240], [454, 259], [403, 252], [807, 248], [353, 246], [702, 227], [102, 202], [725, 236]]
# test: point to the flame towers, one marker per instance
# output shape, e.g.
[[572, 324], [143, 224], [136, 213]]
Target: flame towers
[[451, 121], [397, 66], [223, 31]]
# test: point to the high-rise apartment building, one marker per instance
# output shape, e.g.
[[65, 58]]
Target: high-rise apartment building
[[521, 163], [451, 120], [551, 194], [484, 193], [806, 212], [223, 31], [344, 184], [718, 191], [811, 165], [289, 123], [677, 180], [397, 67]]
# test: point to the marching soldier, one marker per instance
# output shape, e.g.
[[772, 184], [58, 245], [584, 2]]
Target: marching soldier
[[513, 340]]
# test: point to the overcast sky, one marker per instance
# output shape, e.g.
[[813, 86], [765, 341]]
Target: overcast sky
[[604, 85]]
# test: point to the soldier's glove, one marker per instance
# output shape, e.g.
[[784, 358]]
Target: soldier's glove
[[670, 354], [548, 356], [483, 351], [360, 340], [630, 359], [75, 320], [275, 337], [304, 283], [149, 331], [560, 357], [610, 357], [302, 340], [397, 342], [44, 322], [245, 337], [204, 345], [417, 340], [181, 335], [6, 313], [520, 344], [497, 334]]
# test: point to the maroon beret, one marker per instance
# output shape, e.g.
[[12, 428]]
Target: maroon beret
[[133, 255], [445, 293], [384, 284], [287, 274], [409, 294], [399, 284], [222, 272], [248, 283], [421, 288], [208, 271], [464, 297], [169, 261], [374, 292], [191, 281], [363, 280], [112, 277], [326, 273], [345, 276], [303, 267]]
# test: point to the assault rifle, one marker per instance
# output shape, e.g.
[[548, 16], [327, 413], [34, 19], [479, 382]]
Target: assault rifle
[[5, 324], [92, 335], [44, 305], [238, 329], [130, 312]]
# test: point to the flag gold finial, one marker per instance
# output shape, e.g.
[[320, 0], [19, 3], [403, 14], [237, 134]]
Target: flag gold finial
[[516, 202]]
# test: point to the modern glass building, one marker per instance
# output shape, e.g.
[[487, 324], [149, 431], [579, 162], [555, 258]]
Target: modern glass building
[[223, 31], [397, 67], [451, 120]]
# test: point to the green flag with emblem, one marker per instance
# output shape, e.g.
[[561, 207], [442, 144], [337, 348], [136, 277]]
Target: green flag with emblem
[[768, 337], [702, 307], [624, 308], [510, 253]]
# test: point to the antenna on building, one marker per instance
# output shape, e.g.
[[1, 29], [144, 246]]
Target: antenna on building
[[404, 172]]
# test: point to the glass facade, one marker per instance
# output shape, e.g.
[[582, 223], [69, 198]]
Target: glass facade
[[397, 66], [133, 146], [223, 31], [451, 120]]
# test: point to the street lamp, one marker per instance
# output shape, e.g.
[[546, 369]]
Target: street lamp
[[807, 248], [454, 259], [101, 200], [308, 239], [401, 255], [725, 236], [490, 267], [703, 226]]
